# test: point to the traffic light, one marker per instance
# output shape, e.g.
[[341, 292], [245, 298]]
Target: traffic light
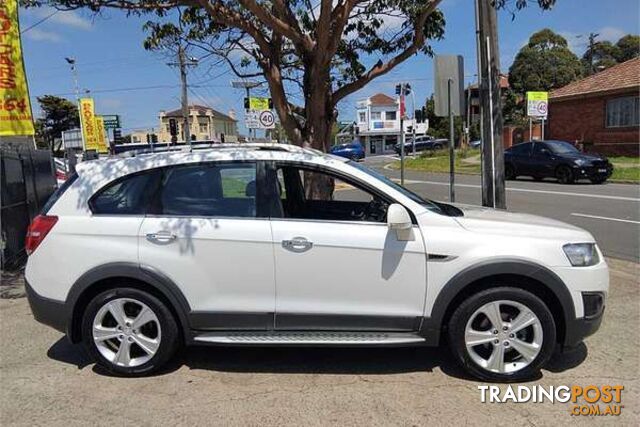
[[398, 89], [409, 129], [407, 89], [270, 104], [173, 127], [148, 138], [222, 138], [418, 115], [154, 138], [246, 103]]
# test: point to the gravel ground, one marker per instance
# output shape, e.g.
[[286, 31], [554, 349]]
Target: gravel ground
[[46, 380]]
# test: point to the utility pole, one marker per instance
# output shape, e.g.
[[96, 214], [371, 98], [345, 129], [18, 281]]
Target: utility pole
[[182, 64], [592, 42], [71, 158], [493, 188]]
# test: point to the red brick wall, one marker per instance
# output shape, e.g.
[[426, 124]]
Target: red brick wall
[[582, 121]]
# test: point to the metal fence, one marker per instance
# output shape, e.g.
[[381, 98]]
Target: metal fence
[[27, 181]]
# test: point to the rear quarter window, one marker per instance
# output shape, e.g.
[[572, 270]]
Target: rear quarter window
[[59, 192]]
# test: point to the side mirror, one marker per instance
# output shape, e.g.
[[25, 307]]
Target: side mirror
[[398, 218]]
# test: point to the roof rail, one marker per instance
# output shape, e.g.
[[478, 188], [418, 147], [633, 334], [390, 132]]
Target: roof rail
[[230, 145]]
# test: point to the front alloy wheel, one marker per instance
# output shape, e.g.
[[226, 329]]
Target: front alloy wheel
[[502, 334], [499, 345], [129, 332]]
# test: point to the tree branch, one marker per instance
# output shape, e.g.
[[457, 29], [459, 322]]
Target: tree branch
[[382, 68]]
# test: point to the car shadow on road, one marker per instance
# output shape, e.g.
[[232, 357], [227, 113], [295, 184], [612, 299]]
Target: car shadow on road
[[310, 360]]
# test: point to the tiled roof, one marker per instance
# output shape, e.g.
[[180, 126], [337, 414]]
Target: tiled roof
[[202, 110], [621, 76], [380, 99]]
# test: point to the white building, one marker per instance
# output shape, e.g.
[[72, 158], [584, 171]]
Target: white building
[[378, 124]]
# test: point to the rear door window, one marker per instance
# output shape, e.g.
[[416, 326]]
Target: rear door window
[[211, 190]]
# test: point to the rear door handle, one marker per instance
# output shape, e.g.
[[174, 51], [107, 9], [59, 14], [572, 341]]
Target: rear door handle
[[161, 237], [297, 244]]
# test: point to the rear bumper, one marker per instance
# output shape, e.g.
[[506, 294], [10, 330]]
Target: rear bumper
[[47, 311]]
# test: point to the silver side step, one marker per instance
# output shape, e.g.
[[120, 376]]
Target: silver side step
[[309, 338]]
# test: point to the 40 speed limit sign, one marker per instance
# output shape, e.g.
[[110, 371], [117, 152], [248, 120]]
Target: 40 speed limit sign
[[267, 119]]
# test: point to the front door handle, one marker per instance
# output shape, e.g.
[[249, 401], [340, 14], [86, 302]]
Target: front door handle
[[297, 244], [161, 237]]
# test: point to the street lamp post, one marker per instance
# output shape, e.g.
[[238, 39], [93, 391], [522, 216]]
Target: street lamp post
[[71, 159]]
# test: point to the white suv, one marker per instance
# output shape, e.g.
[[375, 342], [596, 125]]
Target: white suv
[[137, 256]]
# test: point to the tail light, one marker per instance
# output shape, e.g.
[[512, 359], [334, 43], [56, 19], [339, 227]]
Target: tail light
[[61, 175], [38, 230]]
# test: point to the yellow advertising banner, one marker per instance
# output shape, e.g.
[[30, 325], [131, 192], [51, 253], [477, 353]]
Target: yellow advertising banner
[[103, 146], [88, 123], [16, 117]]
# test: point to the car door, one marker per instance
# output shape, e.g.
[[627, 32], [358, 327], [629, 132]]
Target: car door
[[542, 162], [207, 233], [521, 157], [337, 264]]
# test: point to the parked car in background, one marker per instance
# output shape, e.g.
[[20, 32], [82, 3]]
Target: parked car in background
[[555, 159], [351, 150], [224, 247], [423, 143], [475, 143]]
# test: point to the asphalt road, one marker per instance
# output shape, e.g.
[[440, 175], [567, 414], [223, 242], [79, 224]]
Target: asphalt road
[[611, 212], [44, 380]]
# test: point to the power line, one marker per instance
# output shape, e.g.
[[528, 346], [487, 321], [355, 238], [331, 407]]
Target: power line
[[39, 22], [127, 89]]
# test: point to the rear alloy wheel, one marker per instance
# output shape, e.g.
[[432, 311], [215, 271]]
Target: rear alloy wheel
[[565, 175], [502, 334], [129, 332]]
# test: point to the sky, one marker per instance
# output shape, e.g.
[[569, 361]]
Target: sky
[[125, 79]]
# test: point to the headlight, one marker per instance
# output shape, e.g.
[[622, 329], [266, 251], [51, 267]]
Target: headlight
[[581, 254], [581, 162]]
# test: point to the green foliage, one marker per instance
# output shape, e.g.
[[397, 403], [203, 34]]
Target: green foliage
[[439, 126], [545, 63], [603, 55], [628, 47], [58, 115]]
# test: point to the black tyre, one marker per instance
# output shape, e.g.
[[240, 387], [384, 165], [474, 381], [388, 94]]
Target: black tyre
[[509, 172], [129, 332], [502, 334], [565, 175]]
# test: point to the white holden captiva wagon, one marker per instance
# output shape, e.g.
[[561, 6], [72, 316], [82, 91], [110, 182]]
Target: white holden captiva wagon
[[137, 256]]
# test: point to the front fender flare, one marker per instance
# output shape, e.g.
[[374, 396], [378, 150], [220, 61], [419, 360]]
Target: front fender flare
[[432, 326]]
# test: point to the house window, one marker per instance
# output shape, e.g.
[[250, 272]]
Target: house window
[[390, 115], [203, 128], [362, 116], [376, 115], [623, 112]]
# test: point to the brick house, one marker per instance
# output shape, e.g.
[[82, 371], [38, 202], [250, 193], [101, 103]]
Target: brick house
[[601, 112]]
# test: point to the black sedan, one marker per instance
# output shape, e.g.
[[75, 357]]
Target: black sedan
[[423, 143], [556, 159]]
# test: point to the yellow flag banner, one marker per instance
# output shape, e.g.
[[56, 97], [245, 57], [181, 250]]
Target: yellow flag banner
[[103, 147], [88, 123], [15, 109]]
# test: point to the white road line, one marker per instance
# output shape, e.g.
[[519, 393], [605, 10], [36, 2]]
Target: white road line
[[605, 218], [528, 190]]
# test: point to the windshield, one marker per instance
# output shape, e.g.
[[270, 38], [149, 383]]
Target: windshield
[[561, 147], [432, 206]]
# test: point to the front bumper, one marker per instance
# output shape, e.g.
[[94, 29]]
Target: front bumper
[[593, 172], [579, 329], [47, 311]]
